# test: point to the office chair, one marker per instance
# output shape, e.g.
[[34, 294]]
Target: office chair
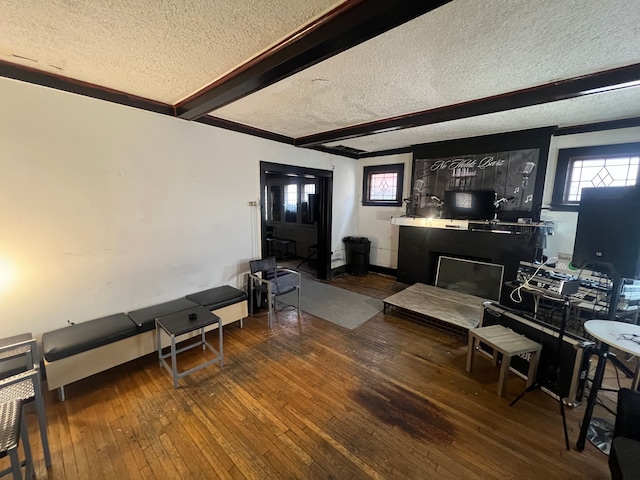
[[624, 458], [268, 278]]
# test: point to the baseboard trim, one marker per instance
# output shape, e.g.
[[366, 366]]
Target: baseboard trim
[[341, 270], [392, 272]]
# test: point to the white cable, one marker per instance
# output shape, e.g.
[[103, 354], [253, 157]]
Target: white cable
[[526, 282]]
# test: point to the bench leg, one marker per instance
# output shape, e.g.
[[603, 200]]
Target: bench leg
[[470, 352], [504, 371]]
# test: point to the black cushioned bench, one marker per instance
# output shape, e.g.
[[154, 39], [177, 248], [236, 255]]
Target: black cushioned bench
[[217, 299], [84, 336], [83, 349], [145, 318]]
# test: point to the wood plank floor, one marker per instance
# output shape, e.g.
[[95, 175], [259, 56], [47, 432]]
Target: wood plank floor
[[308, 399]]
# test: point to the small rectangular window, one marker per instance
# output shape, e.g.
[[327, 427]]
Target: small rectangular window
[[382, 185]]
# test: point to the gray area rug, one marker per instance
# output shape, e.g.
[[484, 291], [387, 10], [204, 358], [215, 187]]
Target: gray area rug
[[336, 305]]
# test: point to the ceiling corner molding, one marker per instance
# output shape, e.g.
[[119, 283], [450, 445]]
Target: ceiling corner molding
[[50, 80], [350, 24], [386, 153], [241, 128], [335, 151], [550, 92]]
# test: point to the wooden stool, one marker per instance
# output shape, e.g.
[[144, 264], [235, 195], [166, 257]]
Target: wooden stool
[[508, 343]]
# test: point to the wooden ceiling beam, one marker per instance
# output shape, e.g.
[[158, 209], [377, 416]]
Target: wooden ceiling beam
[[350, 24], [594, 83]]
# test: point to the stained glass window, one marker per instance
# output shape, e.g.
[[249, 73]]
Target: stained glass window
[[595, 166], [600, 172], [382, 185]]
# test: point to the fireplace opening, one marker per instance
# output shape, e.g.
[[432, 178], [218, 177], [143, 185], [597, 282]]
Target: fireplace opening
[[473, 277], [434, 258]]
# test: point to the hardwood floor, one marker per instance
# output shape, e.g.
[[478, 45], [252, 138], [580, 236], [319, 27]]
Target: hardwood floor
[[309, 399]]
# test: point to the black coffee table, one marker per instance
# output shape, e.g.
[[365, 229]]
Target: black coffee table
[[182, 323]]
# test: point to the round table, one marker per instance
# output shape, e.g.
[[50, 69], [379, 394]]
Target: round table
[[619, 335], [610, 332]]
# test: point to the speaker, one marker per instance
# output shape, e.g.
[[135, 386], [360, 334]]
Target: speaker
[[608, 233]]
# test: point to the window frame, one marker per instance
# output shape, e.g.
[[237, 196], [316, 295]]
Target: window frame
[[565, 157], [368, 171], [281, 184]]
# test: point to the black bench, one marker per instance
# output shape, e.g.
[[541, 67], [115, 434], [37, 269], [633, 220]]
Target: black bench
[[145, 318], [217, 299], [83, 349]]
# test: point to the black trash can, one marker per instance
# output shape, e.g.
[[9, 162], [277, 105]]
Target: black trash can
[[357, 250]]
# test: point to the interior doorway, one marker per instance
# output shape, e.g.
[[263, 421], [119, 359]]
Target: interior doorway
[[295, 214]]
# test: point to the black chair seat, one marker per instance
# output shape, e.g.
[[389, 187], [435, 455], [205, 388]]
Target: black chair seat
[[625, 455], [624, 459], [268, 278]]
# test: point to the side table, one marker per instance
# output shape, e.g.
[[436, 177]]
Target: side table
[[182, 323], [281, 247], [508, 343]]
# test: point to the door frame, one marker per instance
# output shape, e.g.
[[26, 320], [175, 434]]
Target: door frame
[[325, 206]]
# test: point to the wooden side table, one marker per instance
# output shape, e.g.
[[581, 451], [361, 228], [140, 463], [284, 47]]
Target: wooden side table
[[508, 344]]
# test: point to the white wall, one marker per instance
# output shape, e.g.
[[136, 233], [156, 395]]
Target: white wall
[[373, 222], [107, 208]]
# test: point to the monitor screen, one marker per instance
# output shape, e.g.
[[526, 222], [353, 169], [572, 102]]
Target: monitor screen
[[469, 204], [469, 276]]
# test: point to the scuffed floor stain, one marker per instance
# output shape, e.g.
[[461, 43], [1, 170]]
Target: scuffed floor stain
[[403, 409]]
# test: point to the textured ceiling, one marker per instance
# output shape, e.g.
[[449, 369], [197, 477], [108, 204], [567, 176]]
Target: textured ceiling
[[463, 51], [160, 50], [459, 52], [602, 107]]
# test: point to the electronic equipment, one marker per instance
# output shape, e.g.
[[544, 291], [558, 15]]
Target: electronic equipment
[[593, 289], [608, 233], [568, 287], [469, 204], [574, 362]]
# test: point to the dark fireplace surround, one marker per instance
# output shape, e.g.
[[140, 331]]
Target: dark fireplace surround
[[419, 249]]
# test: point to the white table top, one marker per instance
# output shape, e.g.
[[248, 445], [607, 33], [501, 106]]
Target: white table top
[[608, 331]]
